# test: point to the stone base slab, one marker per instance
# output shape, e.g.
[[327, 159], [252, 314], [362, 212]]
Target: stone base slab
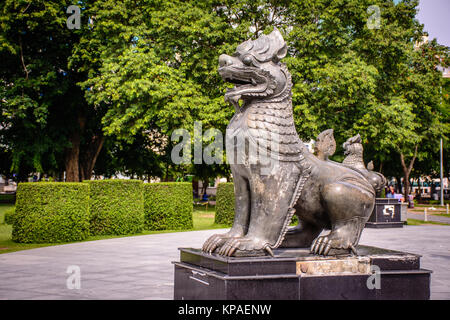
[[295, 274]]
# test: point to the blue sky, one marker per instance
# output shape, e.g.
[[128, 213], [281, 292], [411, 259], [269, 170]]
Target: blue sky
[[435, 16]]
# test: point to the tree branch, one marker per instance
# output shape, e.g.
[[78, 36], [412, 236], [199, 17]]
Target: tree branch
[[408, 169], [22, 59], [26, 8], [411, 164]]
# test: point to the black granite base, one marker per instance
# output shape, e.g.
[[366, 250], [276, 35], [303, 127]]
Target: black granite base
[[381, 225], [295, 274]]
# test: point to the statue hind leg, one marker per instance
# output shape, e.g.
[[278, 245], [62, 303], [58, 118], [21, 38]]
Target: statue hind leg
[[349, 207]]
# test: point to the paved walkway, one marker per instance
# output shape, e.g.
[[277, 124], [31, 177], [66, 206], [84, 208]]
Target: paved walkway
[[140, 267]]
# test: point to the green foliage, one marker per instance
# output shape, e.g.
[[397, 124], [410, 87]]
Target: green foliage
[[116, 207], [395, 128], [7, 198], [9, 215], [294, 220], [438, 202], [168, 206], [35, 82], [383, 193], [225, 203], [51, 212]]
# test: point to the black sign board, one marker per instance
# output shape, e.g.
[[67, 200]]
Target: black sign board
[[386, 214]]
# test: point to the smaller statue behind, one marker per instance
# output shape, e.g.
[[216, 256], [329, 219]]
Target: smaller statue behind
[[353, 150]]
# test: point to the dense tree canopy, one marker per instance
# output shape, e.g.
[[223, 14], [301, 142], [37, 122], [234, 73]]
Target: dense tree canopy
[[151, 66]]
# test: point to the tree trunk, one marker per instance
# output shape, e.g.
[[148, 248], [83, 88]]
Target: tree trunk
[[89, 156], [72, 160], [72, 157], [420, 188], [406, 189], [407, 171]]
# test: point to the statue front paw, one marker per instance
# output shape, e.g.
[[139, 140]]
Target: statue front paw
[[243, 244], [216, 241]]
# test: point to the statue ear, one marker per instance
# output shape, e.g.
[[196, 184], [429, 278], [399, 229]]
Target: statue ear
[[279, 43], [281, 53]]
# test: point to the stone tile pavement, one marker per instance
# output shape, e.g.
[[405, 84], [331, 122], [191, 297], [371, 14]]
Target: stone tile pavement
[[140, 267]]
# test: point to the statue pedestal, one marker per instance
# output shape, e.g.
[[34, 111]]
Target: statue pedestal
[[295, 274], [386, 214]]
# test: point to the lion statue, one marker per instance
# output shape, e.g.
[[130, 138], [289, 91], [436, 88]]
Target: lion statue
[[275, 176]]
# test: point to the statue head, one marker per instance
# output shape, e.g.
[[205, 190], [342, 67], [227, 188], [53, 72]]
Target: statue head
[[353, 146], [255, 69]]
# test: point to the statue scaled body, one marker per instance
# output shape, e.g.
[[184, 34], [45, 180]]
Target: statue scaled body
[[322, 193]]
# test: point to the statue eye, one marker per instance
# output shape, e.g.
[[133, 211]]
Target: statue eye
[[247, 60]]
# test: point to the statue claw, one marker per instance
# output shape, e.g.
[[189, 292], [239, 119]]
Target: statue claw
[[269, 251]]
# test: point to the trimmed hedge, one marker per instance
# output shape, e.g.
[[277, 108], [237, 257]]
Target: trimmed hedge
[[116, 206], [9, 215], [51, 212], [225, 203], [168, 206]]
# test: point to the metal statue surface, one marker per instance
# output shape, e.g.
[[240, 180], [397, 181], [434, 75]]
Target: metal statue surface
[[353, 150], [322, 193], [325, 147]]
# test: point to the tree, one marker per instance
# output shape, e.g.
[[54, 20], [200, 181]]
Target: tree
[[45, 119], [151, 66], [32, 78], [152, 71], [370, 81]]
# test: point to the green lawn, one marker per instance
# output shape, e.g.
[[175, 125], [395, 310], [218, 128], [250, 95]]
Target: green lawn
[[203, 220], [414, 222]]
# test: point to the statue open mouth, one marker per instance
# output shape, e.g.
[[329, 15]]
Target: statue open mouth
[[242, 77], [249, 83], [240, 82]]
